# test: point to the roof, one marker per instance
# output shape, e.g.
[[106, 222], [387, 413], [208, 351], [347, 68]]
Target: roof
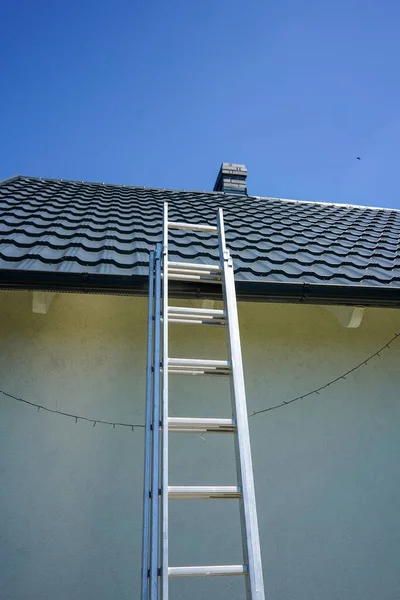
[[57, 230]]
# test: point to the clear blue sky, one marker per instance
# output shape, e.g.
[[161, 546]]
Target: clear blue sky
[[160, 93]]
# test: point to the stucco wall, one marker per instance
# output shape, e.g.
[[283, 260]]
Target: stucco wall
[[326, 468]]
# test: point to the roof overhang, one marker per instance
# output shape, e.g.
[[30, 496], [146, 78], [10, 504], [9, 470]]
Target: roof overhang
[[247, 291]]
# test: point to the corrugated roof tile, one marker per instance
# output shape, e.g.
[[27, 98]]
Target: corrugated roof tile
[[78, 227]]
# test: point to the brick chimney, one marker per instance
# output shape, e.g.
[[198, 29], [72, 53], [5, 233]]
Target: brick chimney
[[231, 179]]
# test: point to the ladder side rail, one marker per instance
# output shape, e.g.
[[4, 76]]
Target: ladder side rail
[[164, 486], [155, 479], [147, 435], [248, 510]]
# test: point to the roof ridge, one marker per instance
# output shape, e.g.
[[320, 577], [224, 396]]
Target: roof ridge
[[126, 186], [12, 178], [339, 204], [250, 197]]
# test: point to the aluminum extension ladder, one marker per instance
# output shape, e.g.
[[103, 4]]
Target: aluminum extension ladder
[[156, 570]]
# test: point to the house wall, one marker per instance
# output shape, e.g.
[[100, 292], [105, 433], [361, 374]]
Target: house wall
[[326, 467]]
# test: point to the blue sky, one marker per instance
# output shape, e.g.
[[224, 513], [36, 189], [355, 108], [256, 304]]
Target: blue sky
[[160, 93]]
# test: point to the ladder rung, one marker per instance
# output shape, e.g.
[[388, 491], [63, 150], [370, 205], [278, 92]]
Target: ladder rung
[[199, 363], [196, 366], [193, 271], [201, 425], [191, 226], [216, 571], [211, 372], [204, 277], [183, 310], [212, 322], [203, 492], [196, 266], [195, 316]]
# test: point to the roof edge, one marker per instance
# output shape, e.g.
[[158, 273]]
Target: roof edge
[[294, 293]]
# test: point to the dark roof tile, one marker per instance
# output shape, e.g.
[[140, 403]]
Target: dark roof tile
[[78, 227]]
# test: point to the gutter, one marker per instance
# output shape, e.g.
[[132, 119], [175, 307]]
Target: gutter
[[246, 291]]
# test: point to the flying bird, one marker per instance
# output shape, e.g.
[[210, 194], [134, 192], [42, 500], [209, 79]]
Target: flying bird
[[358, 158]]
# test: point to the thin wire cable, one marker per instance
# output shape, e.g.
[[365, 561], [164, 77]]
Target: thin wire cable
[[70, 415], [256, 412], [323, 387]]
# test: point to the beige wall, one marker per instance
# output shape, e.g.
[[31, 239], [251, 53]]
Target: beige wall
[[326, 468]]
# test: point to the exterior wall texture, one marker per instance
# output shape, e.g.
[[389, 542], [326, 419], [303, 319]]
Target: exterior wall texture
[[326, 467]]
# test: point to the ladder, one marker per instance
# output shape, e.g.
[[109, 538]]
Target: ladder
[[157, 493]]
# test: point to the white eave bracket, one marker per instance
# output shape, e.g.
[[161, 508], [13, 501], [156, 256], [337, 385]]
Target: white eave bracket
[[348, 316], [41, 302]]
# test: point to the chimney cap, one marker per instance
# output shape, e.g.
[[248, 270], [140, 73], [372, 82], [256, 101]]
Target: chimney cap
[[231, 179]]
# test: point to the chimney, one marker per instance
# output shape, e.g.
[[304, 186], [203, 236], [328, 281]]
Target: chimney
[[231, 179]]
